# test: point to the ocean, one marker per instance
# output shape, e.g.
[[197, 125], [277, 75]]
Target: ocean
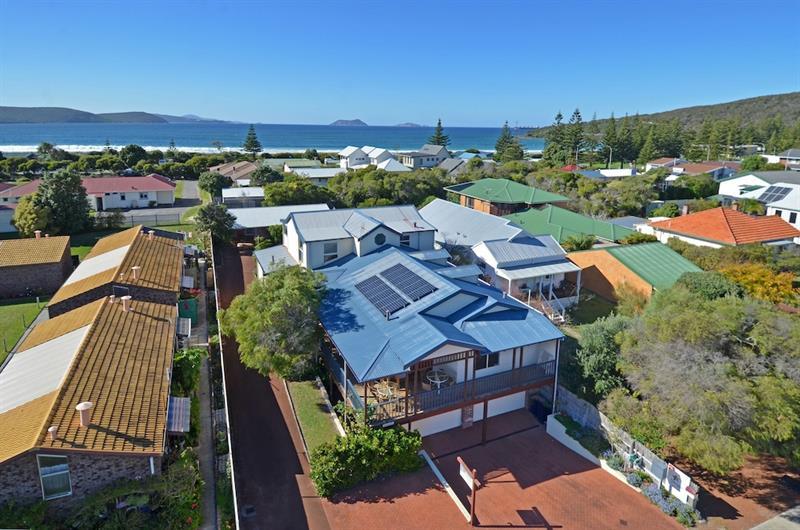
[[83, 137]]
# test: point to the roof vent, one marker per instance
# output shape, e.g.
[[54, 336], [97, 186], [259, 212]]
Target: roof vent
[[135, 271], [38, 234], [126, 302], [52, 431], [85, 408], [151, 234], [47, 235], [112, 298]]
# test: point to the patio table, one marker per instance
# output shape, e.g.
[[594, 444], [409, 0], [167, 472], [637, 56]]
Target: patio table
[[437, 378], [384, 390]]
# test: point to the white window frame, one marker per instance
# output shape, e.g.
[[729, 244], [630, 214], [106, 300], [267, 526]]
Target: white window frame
[[41, 477], [326, 254]]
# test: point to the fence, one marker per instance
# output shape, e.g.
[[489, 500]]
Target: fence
[[133, 219], [676, 482]]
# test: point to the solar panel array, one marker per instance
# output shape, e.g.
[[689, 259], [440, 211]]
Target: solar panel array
[[409, 283], [774, 193], [384, 298]]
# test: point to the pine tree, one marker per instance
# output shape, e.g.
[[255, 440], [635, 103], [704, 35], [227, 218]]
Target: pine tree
[[610, 140], [573, 141], [503, 141], [439, 137], [648, 151], [554, 150], [251, 144], [592, 138]]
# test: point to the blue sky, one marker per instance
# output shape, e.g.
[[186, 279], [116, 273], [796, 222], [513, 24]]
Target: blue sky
[[470, 63]]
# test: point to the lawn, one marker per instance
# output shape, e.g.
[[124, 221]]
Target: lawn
[[15, 316], [312, 413], [179, 189], [590, 308], [187, 216]]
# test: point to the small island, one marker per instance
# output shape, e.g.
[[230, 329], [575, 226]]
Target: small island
[[409, 124], [349, 123]]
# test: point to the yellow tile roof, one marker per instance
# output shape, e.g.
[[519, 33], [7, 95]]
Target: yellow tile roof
[[32, 251], [160, 259], [123, 368]]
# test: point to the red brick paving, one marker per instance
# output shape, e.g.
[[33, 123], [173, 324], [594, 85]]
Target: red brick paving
[[530, 480]]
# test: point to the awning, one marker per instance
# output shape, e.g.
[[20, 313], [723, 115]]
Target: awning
[[536, 271], [187, 282], [178, 415], [184, 327]]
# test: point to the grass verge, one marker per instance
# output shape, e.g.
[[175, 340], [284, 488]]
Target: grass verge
[[312, 414], [12, 314], [189, 214]]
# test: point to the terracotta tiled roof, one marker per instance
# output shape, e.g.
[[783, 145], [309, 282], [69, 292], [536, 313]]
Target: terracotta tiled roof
[[61, 325], [160, 259], [729, 227], [123, 368], [32, 251], [5, 185], [20, 427], [21, 190]]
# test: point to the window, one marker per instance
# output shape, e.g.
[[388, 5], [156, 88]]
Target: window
[[285, 230], [300, 255], [405, 240], [779, 213], [487, 361], [54, 475], [793, 217], [122, 196], [469, 202], [330, 251], [142, 195], [380, 239]]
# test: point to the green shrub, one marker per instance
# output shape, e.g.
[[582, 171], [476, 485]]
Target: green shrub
[[186, 371], [34, 516], [590, 439], [363, 455]]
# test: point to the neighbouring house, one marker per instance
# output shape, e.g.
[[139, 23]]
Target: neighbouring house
[[299, 163], [606, 174], [376, 155], [252, 222], [717, 169], [313, 239], [783, 200], [666, 161], [750, 184], [426, 351], [453, 166], [84, 401], [719, 227], [790, 159], [562, 224], [459, 228], [6, 185], [33, 266], [628, 221], [392, 166], [319, 176], [502, 196], [428, 156], [7, 217], [647, 267], [239, 172], [143, 263], [243, 197], [352, 157], [111, 192]]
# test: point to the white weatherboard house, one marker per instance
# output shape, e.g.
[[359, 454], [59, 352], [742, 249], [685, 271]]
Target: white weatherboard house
[[251, 222], [319, 176], [242, 197], [419, 342], [352, 157], [428, 156]]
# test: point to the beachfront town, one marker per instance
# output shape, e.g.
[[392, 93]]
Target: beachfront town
[[596, 335]]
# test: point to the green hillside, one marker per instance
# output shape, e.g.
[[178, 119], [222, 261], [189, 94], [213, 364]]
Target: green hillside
[[131, 117], [749, 111], [46, 115]]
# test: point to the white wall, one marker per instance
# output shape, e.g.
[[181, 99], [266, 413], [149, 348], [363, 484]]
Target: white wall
[[315, 251], [5, 221], [452, 419], [664, 237], [786, 215], [367, 243], [732, 187]]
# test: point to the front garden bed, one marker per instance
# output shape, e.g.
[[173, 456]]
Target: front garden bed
[[312, 413]]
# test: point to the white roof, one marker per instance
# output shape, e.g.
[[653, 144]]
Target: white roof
[[349, 150], [791, 201], [368, 149], [233, 193], [268, 258], [318, 172], [390, 164], [461, 226], [243, 182], [39, 370], [617, 172], [269, 215], [340, 224], [97, 264], [376, 152], [534, 271]]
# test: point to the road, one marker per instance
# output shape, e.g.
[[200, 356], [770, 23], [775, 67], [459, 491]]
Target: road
[[191, 197], [273, 490]]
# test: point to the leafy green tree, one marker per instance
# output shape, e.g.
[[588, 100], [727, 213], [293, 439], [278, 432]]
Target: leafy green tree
[[214, 183], [251, 144], [265, 175], [276, 322], [131, 154], [29, 217], [630, 301], [751, 206], [311, 154], [109, 162], [63, 195], [699, 205], [638, 238], [578, 242], [215, 219], [439, 137], [710, 285], [753, 163], [668, 209], [598, 353], [294, 190], [762, 283]]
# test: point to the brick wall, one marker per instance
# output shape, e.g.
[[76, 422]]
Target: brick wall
[[603, 274], [19, 478], [45, 278]]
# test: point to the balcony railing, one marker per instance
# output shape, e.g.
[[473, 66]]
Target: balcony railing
[[471, 390]]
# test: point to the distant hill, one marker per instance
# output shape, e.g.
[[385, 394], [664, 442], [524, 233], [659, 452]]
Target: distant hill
[[409, 124], [751, 110], [349, 123], [66, 115]]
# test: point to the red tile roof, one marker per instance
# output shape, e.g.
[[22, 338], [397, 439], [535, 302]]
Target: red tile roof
[[101, 185], [5, 185], [705, 167], [729, 227], [663, 160]]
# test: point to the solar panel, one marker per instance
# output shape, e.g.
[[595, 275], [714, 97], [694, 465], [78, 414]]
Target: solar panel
[[384, 298], [774, 193], [409, 283]]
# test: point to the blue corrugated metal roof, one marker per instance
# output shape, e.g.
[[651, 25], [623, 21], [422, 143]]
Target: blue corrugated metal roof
[[376, 347]]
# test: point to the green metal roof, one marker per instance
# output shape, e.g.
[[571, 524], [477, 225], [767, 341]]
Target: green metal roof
[[277, 163], [655, 263], [505, 191], [561, 224]]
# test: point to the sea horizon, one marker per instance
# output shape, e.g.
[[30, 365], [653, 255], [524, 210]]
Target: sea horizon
[[20, 138]]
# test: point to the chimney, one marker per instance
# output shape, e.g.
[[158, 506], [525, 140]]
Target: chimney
[[52, 431], [151, 234], [126, 302], [735, 206], [135, 271], [685, 209], [38, 234], [47, 235], [85, 408]]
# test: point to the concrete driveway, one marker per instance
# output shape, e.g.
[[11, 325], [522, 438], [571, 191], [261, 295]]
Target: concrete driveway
[[167, 214]]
